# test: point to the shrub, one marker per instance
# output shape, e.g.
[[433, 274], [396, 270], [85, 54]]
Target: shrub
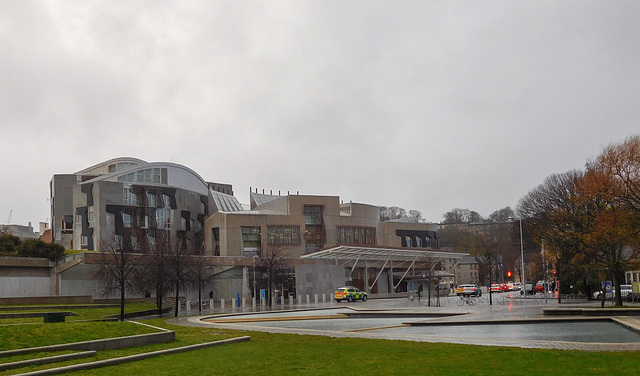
[[38, 248], [9, 243]]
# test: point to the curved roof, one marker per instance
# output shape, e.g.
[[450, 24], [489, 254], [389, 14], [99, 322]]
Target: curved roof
[[106, 164], [180, 180]]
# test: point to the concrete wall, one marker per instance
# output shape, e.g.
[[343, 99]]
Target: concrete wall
[[24, 286], [318, 279]]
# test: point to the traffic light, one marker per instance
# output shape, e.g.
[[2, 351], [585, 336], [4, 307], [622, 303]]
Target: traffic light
[[509, 274]]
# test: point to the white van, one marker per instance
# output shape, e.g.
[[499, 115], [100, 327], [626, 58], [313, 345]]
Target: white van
[[625, 291]]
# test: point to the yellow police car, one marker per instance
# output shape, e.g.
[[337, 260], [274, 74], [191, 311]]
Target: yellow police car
[[349, 294]]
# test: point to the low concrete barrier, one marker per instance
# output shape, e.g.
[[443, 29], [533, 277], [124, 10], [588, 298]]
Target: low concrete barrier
[[99, 344], [39, 300], [47, 360], [26, 315], [133, 358]]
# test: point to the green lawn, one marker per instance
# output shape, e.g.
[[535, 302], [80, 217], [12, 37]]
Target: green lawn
[[288, 354], [88, 313]]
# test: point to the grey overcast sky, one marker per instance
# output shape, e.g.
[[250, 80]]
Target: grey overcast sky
[[425, 105]]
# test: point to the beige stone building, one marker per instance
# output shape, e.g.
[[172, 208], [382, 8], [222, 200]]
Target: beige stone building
[[304, 224]]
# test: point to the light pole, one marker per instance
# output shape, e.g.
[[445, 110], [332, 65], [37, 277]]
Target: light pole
[[523, 278], [254, 277]]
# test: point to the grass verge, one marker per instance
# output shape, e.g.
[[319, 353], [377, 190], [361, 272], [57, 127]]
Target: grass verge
[[290, 354]]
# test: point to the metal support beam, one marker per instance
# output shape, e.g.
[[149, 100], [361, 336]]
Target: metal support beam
[[354, 266], [381, 270], [405, 273]]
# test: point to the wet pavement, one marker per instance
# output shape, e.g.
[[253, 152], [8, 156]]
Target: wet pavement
[[509, 321]]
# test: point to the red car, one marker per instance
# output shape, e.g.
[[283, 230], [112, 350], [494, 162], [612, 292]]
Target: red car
[[504, 287]]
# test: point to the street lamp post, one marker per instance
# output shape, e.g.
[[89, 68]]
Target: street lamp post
[[522, 255], [254, 277], [524, 276]]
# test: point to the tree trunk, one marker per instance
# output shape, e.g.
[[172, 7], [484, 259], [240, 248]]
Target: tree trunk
[[122, 301], [177, 298], [616, 290]]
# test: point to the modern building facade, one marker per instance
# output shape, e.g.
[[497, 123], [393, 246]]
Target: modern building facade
[[302, 224], [127, 199], [328, 243]]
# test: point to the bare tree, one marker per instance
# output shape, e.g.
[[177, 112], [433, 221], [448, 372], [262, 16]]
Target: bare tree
[[199, 273], [272, 263], [431, 267], [393, 212], [115, 271], [153, 273], [502, 215], [489, 258], [179, 264]]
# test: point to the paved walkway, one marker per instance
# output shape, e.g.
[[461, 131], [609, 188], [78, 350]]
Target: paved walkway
[[502, 309]]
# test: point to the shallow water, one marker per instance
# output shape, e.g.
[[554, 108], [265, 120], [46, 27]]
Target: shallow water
[[599, 332]]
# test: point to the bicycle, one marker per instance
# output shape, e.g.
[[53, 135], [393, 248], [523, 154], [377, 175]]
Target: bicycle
[[466, 300]]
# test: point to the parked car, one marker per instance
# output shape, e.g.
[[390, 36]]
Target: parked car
[[517, 285], [350, 294], [625, 291], [540, 286], [510, 286], [469, 290], [504, 287], [529, 288], [495, 288]]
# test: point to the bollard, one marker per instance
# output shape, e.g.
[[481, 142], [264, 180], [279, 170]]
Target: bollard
[[211, 304], [253, 303], [244, 302], [308, 299], [315, 297], [299, 299], [324, 298], [188, 304], [282, 301], [222, 304], [290, 299], [233, 303]]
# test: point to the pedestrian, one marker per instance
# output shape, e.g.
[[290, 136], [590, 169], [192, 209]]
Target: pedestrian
[[211, 294]]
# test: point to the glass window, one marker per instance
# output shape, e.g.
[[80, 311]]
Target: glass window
[[151, 199], [313, 215], [151, 240], [251, 236], [162, 218], [356, 235], [91, 218], [126, 219], [129, 197], [283, 235]]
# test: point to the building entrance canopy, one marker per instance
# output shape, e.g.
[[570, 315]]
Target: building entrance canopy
[[389, 257], [344, 253]]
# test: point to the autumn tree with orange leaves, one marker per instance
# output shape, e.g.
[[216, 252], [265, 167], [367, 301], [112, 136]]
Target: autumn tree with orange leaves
[[591, 220]]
